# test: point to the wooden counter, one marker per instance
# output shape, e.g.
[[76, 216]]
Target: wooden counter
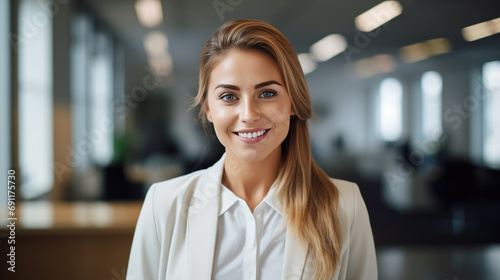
[[81, 240]]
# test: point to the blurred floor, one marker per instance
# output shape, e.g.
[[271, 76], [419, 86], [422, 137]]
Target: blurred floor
[[439, 262]]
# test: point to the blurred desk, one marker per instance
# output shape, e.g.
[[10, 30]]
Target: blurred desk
[[80, 240]]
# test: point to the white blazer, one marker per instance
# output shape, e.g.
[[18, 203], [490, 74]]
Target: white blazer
[[177, 228]]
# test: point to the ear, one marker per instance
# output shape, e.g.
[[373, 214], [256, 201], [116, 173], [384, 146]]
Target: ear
[[209, 114]]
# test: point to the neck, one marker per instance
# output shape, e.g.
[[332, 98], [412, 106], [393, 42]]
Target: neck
[[251, 180]]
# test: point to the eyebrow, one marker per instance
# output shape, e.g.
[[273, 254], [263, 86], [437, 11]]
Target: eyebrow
[[257, 86]]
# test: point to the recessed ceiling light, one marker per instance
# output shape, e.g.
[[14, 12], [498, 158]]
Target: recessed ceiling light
[[420, 51], [481, 30], [155, 43], [307, 63], [149, 12], [378, 15], [328, 47]]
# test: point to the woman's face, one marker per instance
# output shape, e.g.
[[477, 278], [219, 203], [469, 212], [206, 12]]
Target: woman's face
[[249, 105]]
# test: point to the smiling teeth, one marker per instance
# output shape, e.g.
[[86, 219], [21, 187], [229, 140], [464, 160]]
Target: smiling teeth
[[251, 135]]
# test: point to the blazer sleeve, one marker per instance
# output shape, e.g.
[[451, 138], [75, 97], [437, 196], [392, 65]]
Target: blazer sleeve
[[362, 264], [145, 252]]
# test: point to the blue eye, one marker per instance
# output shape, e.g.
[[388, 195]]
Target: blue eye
[[228, 97], [268, 93]]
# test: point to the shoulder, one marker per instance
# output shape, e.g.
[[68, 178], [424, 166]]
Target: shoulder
[[174, 193], [358, 259], [347, 190], [177, 185], [350, 199]]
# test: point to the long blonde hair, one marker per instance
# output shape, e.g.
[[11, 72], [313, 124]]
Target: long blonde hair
[[308, 196]]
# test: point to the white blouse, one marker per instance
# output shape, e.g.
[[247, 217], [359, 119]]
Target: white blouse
[[249, 246]]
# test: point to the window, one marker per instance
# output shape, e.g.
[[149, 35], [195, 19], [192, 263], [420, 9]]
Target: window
[[432, 85], [81, 48], [491, 115], [391, 111], [35, 99], [101, 100], [92, 94]]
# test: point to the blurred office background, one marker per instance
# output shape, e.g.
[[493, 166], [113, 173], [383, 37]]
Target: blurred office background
[[94, 108]]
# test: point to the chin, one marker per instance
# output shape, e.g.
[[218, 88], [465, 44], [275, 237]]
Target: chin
[[251, 156]]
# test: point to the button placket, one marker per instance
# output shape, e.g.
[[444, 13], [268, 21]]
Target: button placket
[[258, 216], [250, 251]]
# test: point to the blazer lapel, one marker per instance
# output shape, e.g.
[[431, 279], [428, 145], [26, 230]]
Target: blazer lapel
[[202, 222], [295, 257]]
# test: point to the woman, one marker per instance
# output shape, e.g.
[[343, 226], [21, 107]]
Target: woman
[[265, 210]]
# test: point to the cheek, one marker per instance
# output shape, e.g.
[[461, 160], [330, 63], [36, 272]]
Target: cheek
[[222, 118], [280, 116]]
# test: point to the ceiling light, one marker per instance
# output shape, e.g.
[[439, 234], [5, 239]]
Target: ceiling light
[[161, 65], [328, 47], [438, 46], [420, 51], [307, 63], [381, 63], [378, 15], [481, 30], [149, 12], [155, 43], [384, 63]]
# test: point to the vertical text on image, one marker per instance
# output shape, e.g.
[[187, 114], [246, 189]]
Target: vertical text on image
[[11, 219]]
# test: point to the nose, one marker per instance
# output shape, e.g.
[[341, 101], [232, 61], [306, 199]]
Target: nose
[[249, 111]]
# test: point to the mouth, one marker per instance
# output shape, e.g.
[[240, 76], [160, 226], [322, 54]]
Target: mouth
[[252, 134]]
